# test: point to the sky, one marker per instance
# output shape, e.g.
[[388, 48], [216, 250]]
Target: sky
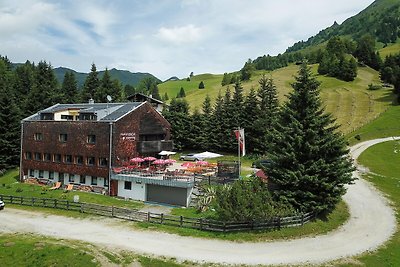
[[163, 37]]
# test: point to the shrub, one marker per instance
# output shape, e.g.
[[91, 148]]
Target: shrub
[[19, 190], [248, 201]]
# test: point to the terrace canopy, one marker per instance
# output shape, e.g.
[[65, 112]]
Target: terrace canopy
[[166, 153], [207, 155]]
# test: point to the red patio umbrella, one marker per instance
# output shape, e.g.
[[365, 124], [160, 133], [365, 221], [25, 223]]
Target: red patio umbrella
[[201, 162], [169, 161], [149, 158], [188, 164], [136, 160], [159, 162]]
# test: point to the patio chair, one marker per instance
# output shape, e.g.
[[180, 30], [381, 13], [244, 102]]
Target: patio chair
[[56, 186], [70, 187]]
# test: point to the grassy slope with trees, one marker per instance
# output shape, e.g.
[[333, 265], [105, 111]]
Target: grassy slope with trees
[[351, 103]]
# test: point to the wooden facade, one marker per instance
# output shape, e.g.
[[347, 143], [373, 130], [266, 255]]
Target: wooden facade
[[83, 141]]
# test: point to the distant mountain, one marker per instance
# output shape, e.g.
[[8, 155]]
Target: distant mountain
[[381, 19], [124, 76]]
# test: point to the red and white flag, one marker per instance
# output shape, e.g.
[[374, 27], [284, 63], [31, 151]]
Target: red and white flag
[[240, 137]]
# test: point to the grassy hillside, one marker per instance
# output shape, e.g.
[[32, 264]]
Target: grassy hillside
[[350, 102], [369, 21]]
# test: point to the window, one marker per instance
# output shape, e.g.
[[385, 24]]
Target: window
[[57, 158], [47, 157], [103, 162], [90, 161], [68, 159], [105, 182], [38, 156], [61, 177], [38, 136], [63, 137], [28, 155], [40, 174], [91, 139], [79, 160], [82, 179], [51, 175], [88, 117], [94, 180], [32, 173], [128, 185], [71, 178], [67, 117]]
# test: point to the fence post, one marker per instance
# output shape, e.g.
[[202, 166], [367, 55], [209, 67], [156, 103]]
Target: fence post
[[55, 203], [162, 218], [112, 211], [181, 222], [279, 222], [201, 223], [302, 218], [81, 209], [67, 205], [33, 201], [224, 229], [11, 199], [148, 216]]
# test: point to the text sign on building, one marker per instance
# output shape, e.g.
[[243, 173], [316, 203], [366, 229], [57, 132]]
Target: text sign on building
[[128, 136]]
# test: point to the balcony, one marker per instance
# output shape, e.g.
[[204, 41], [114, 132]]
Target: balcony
[[148, 147]]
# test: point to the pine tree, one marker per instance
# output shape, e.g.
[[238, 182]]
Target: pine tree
[[10, 117], [91, 85], [70, 88], [165, 98], [252, 112], [201, 85], [207, 123], [237, 106], [106, 88], [265, 122], [178, 114], [311, 166], [217, 123], [45, 91], [155, 92], [24, 82]]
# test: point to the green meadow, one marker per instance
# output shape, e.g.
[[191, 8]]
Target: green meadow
[[351, 103]]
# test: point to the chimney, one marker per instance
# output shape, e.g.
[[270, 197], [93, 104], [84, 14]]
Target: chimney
[[91, 101]]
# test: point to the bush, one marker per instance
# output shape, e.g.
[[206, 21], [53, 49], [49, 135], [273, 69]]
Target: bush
[[248, 201], [19, 190]]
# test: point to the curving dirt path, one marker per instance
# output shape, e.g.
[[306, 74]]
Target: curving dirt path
[[372, 222]]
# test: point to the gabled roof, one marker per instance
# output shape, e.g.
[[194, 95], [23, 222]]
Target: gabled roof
[[143, 96], [106, 112]]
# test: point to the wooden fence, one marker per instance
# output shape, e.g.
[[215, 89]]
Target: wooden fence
[[150, 217]]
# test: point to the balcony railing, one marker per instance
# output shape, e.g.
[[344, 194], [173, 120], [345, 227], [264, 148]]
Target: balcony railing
[[146, 147]]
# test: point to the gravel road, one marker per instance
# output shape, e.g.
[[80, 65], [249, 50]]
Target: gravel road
[[372, 222]]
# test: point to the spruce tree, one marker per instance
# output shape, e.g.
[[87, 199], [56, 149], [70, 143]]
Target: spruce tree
[[252, 111], [106, 88], [265, 122], [45, 91], [217, 123], [70, 88], [10, 117], [311, 166], [91, 85], [207, 123]]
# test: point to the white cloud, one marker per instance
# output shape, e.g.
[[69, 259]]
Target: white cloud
[[180, 35], [166, 38]]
